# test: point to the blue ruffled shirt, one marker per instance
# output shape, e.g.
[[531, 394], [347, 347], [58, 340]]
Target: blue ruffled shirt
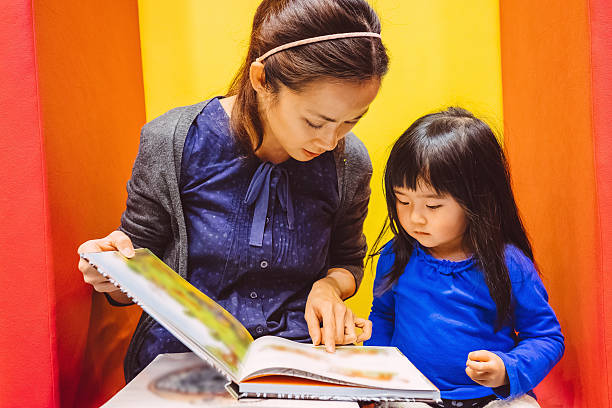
[[259, 233], [439, 311]]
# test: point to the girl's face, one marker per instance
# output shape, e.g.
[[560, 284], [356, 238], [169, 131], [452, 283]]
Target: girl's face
[[305, 124], [437, 222]]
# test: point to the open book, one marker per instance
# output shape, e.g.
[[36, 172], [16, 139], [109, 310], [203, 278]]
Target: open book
[[269, 367], [183, 380]]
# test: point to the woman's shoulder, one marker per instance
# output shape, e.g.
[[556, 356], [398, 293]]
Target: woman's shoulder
[[177, 120], [356, 153], [354, 169]]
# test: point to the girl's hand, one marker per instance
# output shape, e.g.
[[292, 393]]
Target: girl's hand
[[115, 241], [324, 305], [486, 369]]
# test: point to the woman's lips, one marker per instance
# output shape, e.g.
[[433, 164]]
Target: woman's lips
[[311, 154]]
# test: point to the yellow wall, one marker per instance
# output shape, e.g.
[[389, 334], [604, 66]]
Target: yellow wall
[[442, 53]]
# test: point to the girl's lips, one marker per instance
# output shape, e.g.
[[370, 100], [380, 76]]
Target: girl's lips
[[421, 233]]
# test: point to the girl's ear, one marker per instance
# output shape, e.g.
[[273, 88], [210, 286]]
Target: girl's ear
[[257, 76]]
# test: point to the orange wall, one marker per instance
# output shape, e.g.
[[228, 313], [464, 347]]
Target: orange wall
[[92, 106], [546, 77]]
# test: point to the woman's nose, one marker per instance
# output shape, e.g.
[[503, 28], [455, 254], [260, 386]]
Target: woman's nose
[[329, 140]]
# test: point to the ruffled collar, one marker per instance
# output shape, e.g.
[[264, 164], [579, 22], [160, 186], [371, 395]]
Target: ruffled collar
[[443, 266]]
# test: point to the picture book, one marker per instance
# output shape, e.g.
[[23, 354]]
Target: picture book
[[268, 367]]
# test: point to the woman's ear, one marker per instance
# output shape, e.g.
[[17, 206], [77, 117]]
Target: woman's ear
[[257, 76]]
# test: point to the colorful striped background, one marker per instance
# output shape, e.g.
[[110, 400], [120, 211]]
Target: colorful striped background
[[80, 78]]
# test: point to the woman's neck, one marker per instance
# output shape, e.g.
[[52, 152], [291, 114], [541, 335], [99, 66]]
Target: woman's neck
[[268, 151], [228, 104]]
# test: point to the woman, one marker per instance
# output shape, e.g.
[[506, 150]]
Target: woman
[[258, 198]]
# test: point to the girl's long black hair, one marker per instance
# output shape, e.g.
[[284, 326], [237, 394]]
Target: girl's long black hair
[[457, 154]]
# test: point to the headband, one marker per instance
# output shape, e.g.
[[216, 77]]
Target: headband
[[314, 40]]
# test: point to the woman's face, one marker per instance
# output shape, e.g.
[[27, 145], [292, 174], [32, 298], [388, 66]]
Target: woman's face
[[305, 124]]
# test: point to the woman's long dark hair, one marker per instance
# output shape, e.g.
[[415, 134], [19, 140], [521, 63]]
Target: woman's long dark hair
[[279, 22], [457, 154]]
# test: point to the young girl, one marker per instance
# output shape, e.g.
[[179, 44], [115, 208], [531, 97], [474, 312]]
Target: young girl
[[457, 290]]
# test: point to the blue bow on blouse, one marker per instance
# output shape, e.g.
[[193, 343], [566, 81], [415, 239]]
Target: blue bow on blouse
[[259, 193]]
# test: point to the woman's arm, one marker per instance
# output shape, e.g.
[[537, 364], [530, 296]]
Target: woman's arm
[[325, 305], [348, 247], [348, 242], [145, 222]]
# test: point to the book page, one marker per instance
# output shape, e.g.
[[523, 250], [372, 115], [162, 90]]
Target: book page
[[182, 380], [178, 306], [377, 367]]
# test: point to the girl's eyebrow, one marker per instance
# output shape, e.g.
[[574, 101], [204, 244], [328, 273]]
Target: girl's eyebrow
[[439, 196]]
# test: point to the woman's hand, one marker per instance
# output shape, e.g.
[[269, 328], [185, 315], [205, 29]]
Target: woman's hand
[[486, 369], [325, 305], [115, 241]]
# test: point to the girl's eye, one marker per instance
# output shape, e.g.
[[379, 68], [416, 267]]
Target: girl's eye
[[312, 125], [403, 202], [433, 207]]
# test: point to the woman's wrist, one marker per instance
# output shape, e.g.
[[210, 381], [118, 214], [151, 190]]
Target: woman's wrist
[[341, 280]]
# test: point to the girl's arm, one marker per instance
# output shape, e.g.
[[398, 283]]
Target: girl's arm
[[383, 306], [540, 341]]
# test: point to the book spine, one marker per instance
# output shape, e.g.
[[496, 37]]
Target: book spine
[[298, 396]]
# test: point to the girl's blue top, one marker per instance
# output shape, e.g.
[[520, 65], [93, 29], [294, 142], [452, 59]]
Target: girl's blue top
[[250, 248], [439, 311]]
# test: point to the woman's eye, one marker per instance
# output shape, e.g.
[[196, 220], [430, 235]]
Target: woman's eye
[[403, 202], [433, 207], [313, 125]]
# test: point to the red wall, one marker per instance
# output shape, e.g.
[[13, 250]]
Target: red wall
[[601, 79], [27, 318]]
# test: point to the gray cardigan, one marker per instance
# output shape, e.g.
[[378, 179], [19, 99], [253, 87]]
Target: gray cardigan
[[154, 215]]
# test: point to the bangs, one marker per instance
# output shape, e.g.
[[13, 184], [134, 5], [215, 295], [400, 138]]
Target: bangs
[[427, 160]]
